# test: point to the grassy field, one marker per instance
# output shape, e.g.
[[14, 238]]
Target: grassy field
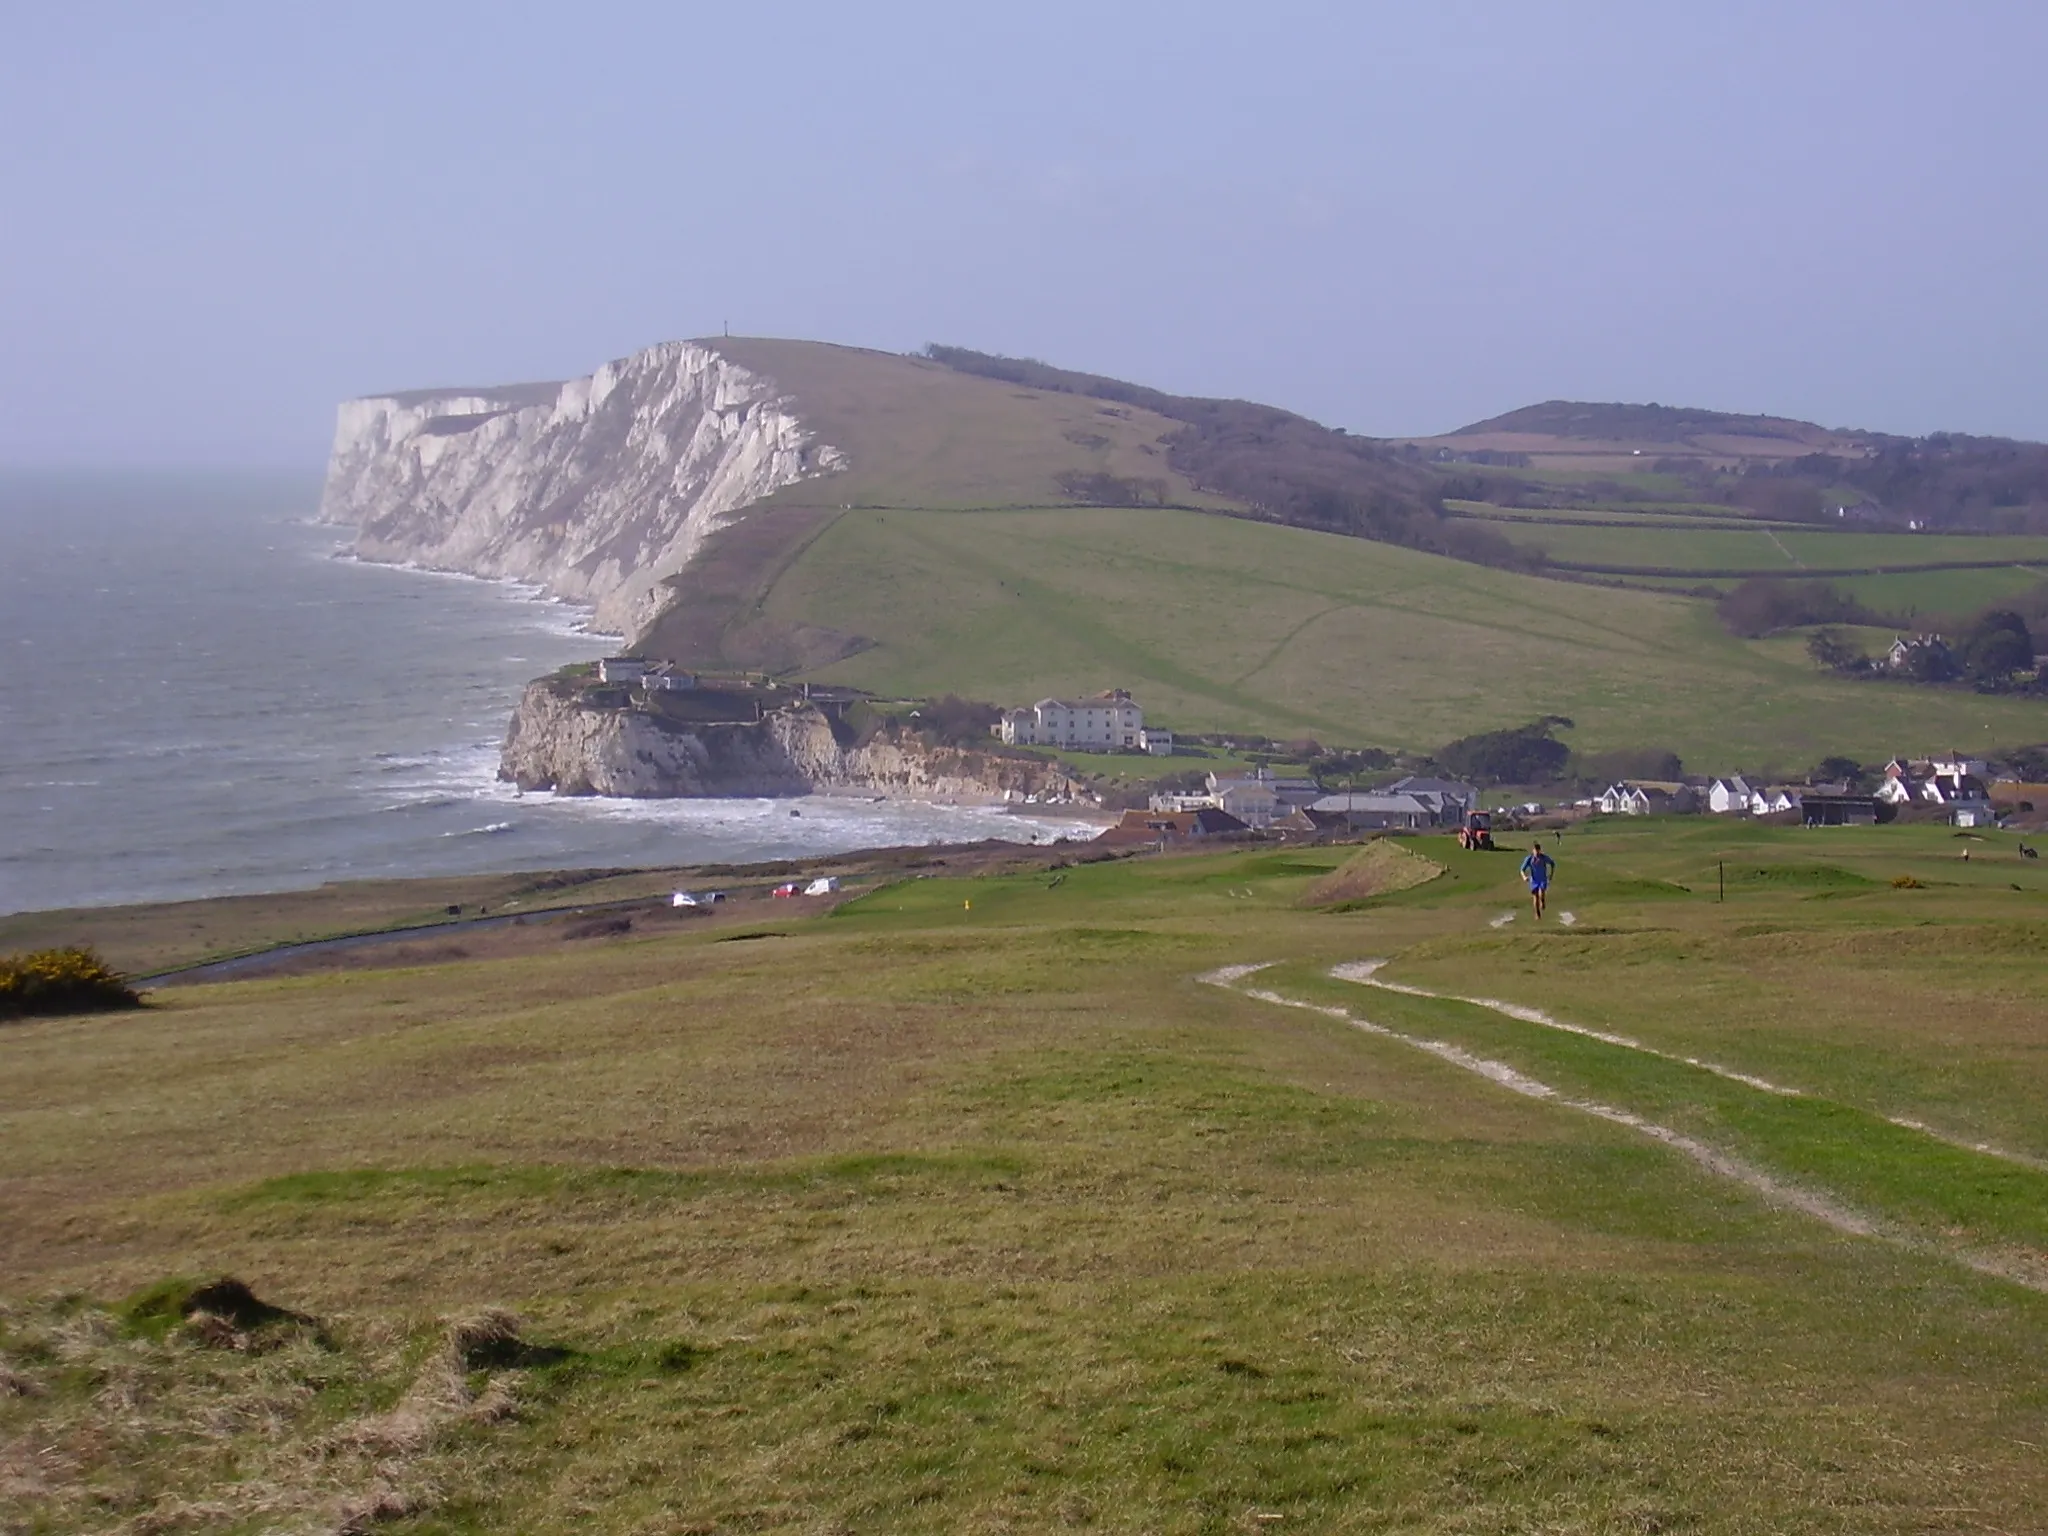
[[1944, 595], [921, 433], [1776, 548], [973, 1207], [1218, 623]]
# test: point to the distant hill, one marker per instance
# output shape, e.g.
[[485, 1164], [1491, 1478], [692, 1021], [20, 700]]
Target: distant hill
[[1637, 424], [962, 522], [1221, 623], [959, 430]]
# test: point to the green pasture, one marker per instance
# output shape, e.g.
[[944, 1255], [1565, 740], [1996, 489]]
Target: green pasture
[[1775, 548], [971, 1206], [1853, 550], [1225, 624], [1689, 515], [1946, 597], [1672, 549]]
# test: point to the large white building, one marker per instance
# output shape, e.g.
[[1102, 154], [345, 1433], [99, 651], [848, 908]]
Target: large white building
[[1109, 722]]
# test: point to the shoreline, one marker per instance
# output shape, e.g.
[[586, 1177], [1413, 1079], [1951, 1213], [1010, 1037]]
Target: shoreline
[[153, 940]]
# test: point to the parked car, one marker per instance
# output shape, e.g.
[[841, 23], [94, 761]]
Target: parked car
[[788, 889], [696, 898]]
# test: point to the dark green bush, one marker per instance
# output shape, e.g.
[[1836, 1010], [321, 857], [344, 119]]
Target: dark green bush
[[53, 981]]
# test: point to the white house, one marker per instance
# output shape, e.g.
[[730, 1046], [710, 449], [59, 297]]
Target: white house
[[1109, 722], [1622, 800], [1953, 767], [1730, 796], [668, 678], [1252, 801], [1156, 741], [1645, 799], [1778, 797], [621, 669]]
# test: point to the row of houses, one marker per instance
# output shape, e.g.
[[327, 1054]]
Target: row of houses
[[1107, 722], [1264, 800], [1953, 784]]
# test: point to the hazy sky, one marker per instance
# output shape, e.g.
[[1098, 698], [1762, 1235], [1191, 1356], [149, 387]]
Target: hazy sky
[[218, 220]]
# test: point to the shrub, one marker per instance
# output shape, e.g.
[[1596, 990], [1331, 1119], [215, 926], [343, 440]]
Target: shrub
[[1764, 605], [53, 981]]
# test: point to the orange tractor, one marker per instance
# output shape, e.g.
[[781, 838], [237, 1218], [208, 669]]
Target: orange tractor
[[1475, 831]]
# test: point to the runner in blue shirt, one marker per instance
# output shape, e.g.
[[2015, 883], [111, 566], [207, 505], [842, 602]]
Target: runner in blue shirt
[[1536, 870]]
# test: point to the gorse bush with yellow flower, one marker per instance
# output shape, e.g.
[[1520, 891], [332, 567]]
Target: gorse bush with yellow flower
[[50, 981]]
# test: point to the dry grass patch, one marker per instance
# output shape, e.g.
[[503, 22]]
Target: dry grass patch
[[1378, 869]]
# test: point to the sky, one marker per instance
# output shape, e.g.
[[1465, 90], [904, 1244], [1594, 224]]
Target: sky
[[219, 220]]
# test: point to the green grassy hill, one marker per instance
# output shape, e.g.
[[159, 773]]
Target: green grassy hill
[[921, 434], [992, 1204], [941, 562], [1227, 623]]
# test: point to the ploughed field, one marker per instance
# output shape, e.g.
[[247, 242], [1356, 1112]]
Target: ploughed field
[[1021, 1201]]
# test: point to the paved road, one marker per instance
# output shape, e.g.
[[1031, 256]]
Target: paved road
[[218, 970]]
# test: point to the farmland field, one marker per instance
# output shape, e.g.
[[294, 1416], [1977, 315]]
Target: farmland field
[[1943, 594], [1765, 549], [1226, 624], [997, 1203]]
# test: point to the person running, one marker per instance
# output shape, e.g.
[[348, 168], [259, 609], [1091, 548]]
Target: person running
[[1536, 870]]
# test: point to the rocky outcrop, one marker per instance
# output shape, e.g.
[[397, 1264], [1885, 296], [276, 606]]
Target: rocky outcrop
[[597, 489], [561, 741]]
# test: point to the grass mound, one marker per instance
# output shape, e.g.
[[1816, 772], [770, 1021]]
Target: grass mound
[[1378, 869], [217, 1314], [54, 981]]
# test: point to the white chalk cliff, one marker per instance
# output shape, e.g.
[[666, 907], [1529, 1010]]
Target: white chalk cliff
[[560, 740], [596, 489]]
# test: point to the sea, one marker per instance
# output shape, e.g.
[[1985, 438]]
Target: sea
[[202, 693]]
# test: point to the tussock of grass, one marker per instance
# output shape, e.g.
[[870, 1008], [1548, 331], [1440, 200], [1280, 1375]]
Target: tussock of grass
[[1378, 869]]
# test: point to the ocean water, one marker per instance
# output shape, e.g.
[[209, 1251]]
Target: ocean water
[[201, 695]]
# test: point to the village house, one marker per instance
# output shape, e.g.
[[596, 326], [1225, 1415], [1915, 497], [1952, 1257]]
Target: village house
[[1374, 812], [1109, 722], [621, 669], [1774, 798], [1731, 796], [1253, 801], [1905, 650], [1164, 828], [668, 678], [1156, 741], [1952, 783], [1450, 799], [1645, 797]]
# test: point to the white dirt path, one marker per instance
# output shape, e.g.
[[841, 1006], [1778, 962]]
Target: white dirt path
[[2021, 1269], [1365, 973], [1500, 1073]]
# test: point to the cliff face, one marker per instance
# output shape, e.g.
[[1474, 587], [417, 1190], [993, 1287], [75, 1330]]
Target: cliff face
[[558, 742], [596, 489]]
